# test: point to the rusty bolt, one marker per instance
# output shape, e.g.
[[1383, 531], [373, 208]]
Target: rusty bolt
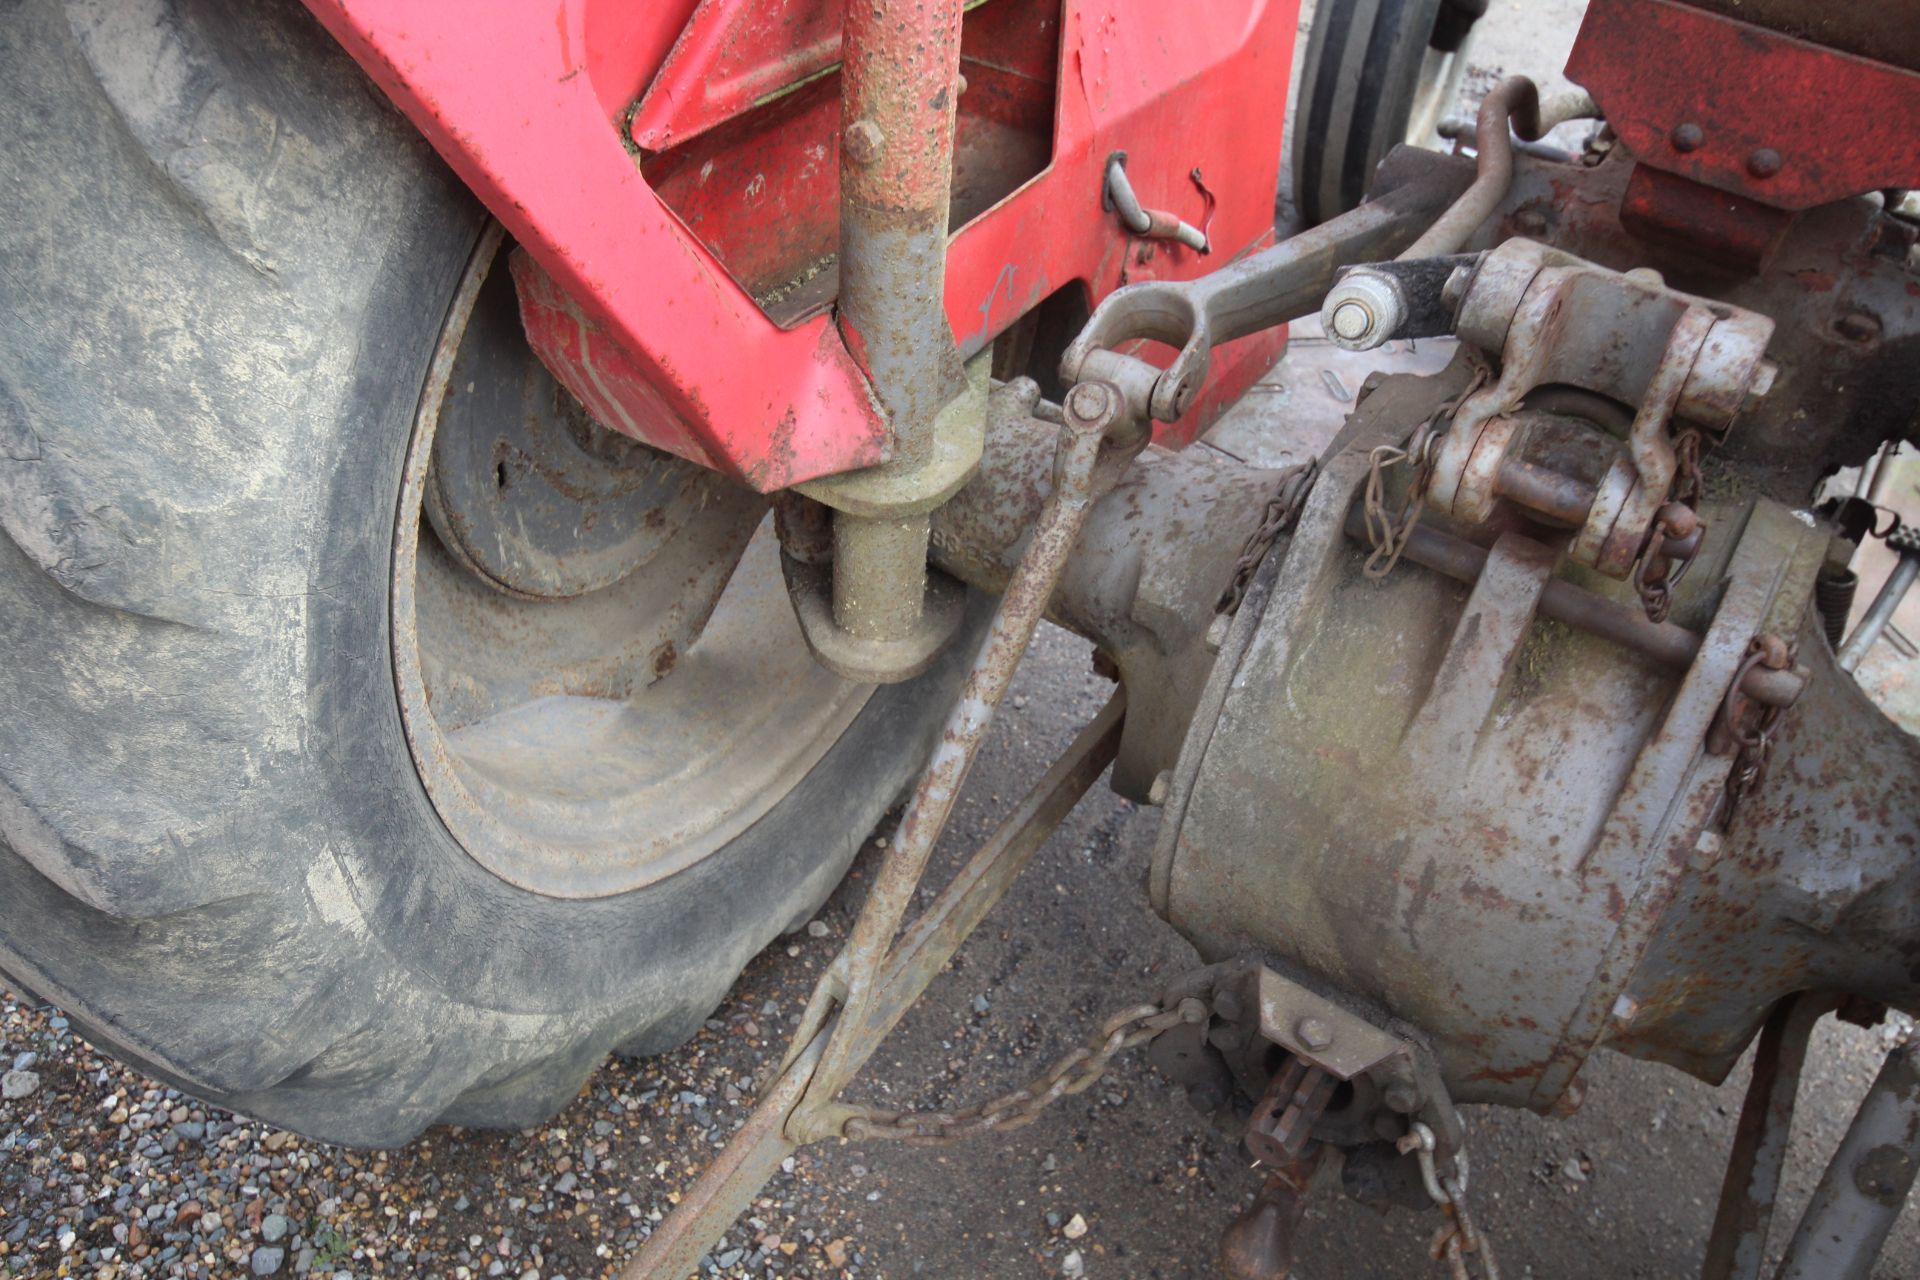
[[1687, 137], [1088, 400], [863, 142], [1764, 162], [1157, 792], [1314, 1033], [1529, 221]]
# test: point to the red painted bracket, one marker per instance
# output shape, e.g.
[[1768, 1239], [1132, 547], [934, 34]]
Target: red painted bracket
[[533, 108], [1777, 120]]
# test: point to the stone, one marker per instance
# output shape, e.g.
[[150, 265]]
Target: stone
[[274, 1228], [16, 1085], [267, 1260]]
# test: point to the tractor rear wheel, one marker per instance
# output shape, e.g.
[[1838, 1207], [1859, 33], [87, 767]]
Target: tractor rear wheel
[[384, 742]]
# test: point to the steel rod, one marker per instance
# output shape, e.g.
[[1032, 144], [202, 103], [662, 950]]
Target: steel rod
[[727, 1186], [1091, 409], [1667, 643], [1737, 1246], [1880, 612], [1861, 1193]]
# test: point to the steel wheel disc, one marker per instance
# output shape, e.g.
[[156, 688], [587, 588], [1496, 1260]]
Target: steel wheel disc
[[600, 674]]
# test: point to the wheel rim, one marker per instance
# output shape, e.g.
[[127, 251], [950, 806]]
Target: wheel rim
[[578, 729]]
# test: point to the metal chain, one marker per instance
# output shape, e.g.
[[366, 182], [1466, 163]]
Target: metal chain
[[1749, 725], [1388, 531], [1282, 509], [1688, 484], [1458, 1237], [1072, 1073]]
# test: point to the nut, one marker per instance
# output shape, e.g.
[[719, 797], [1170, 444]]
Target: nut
[[1314, 1033], [1363, 310]]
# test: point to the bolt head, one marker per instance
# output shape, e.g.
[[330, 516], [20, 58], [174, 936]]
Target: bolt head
[[1351, 319], [1764, 162], [1687, 137], [1314, 1033], [1402, 1098], [1088, 400], [1162, 784], [863, 142], [1363, 309]]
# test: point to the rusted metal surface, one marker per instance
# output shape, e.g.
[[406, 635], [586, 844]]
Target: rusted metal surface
[[1513, 104], [1440, 827], [1156, 554], [1737, 1245], [1727, 230], [1866, 1184], [1258, 292], [1150, 224], [1906, 541], [1846, 342], [1667, 643], [1095, 444], [1745, 109], [1553, 320], [1258, 1245], [1888, 31]]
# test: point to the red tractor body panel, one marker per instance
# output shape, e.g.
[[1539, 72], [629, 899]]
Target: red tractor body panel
[[670, 171]]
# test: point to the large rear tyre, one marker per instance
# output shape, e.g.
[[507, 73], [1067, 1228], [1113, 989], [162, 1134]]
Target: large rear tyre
[[327, 792], [1376, 74]]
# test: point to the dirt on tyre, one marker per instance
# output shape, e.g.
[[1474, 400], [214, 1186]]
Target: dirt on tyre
[[384, 743]]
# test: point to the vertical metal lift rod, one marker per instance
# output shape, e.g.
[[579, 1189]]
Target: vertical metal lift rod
[[873, 981]]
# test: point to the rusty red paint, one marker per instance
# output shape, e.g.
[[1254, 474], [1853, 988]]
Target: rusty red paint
[[639, 317], [1717, 225], [1779, 121]]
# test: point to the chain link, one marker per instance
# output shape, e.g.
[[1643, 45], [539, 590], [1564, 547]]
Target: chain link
[[1388, 531], [1073, 1073], [1458, 1237], [1283, 508]]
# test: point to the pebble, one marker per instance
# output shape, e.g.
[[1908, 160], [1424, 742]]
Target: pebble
[[18, 1084], [25, 1060], [267, 1259], [1075, 1228], [1073, 1264], [816, 929], [274, 1228]]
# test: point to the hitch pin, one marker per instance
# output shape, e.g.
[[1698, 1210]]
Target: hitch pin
[[1152, 224]]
